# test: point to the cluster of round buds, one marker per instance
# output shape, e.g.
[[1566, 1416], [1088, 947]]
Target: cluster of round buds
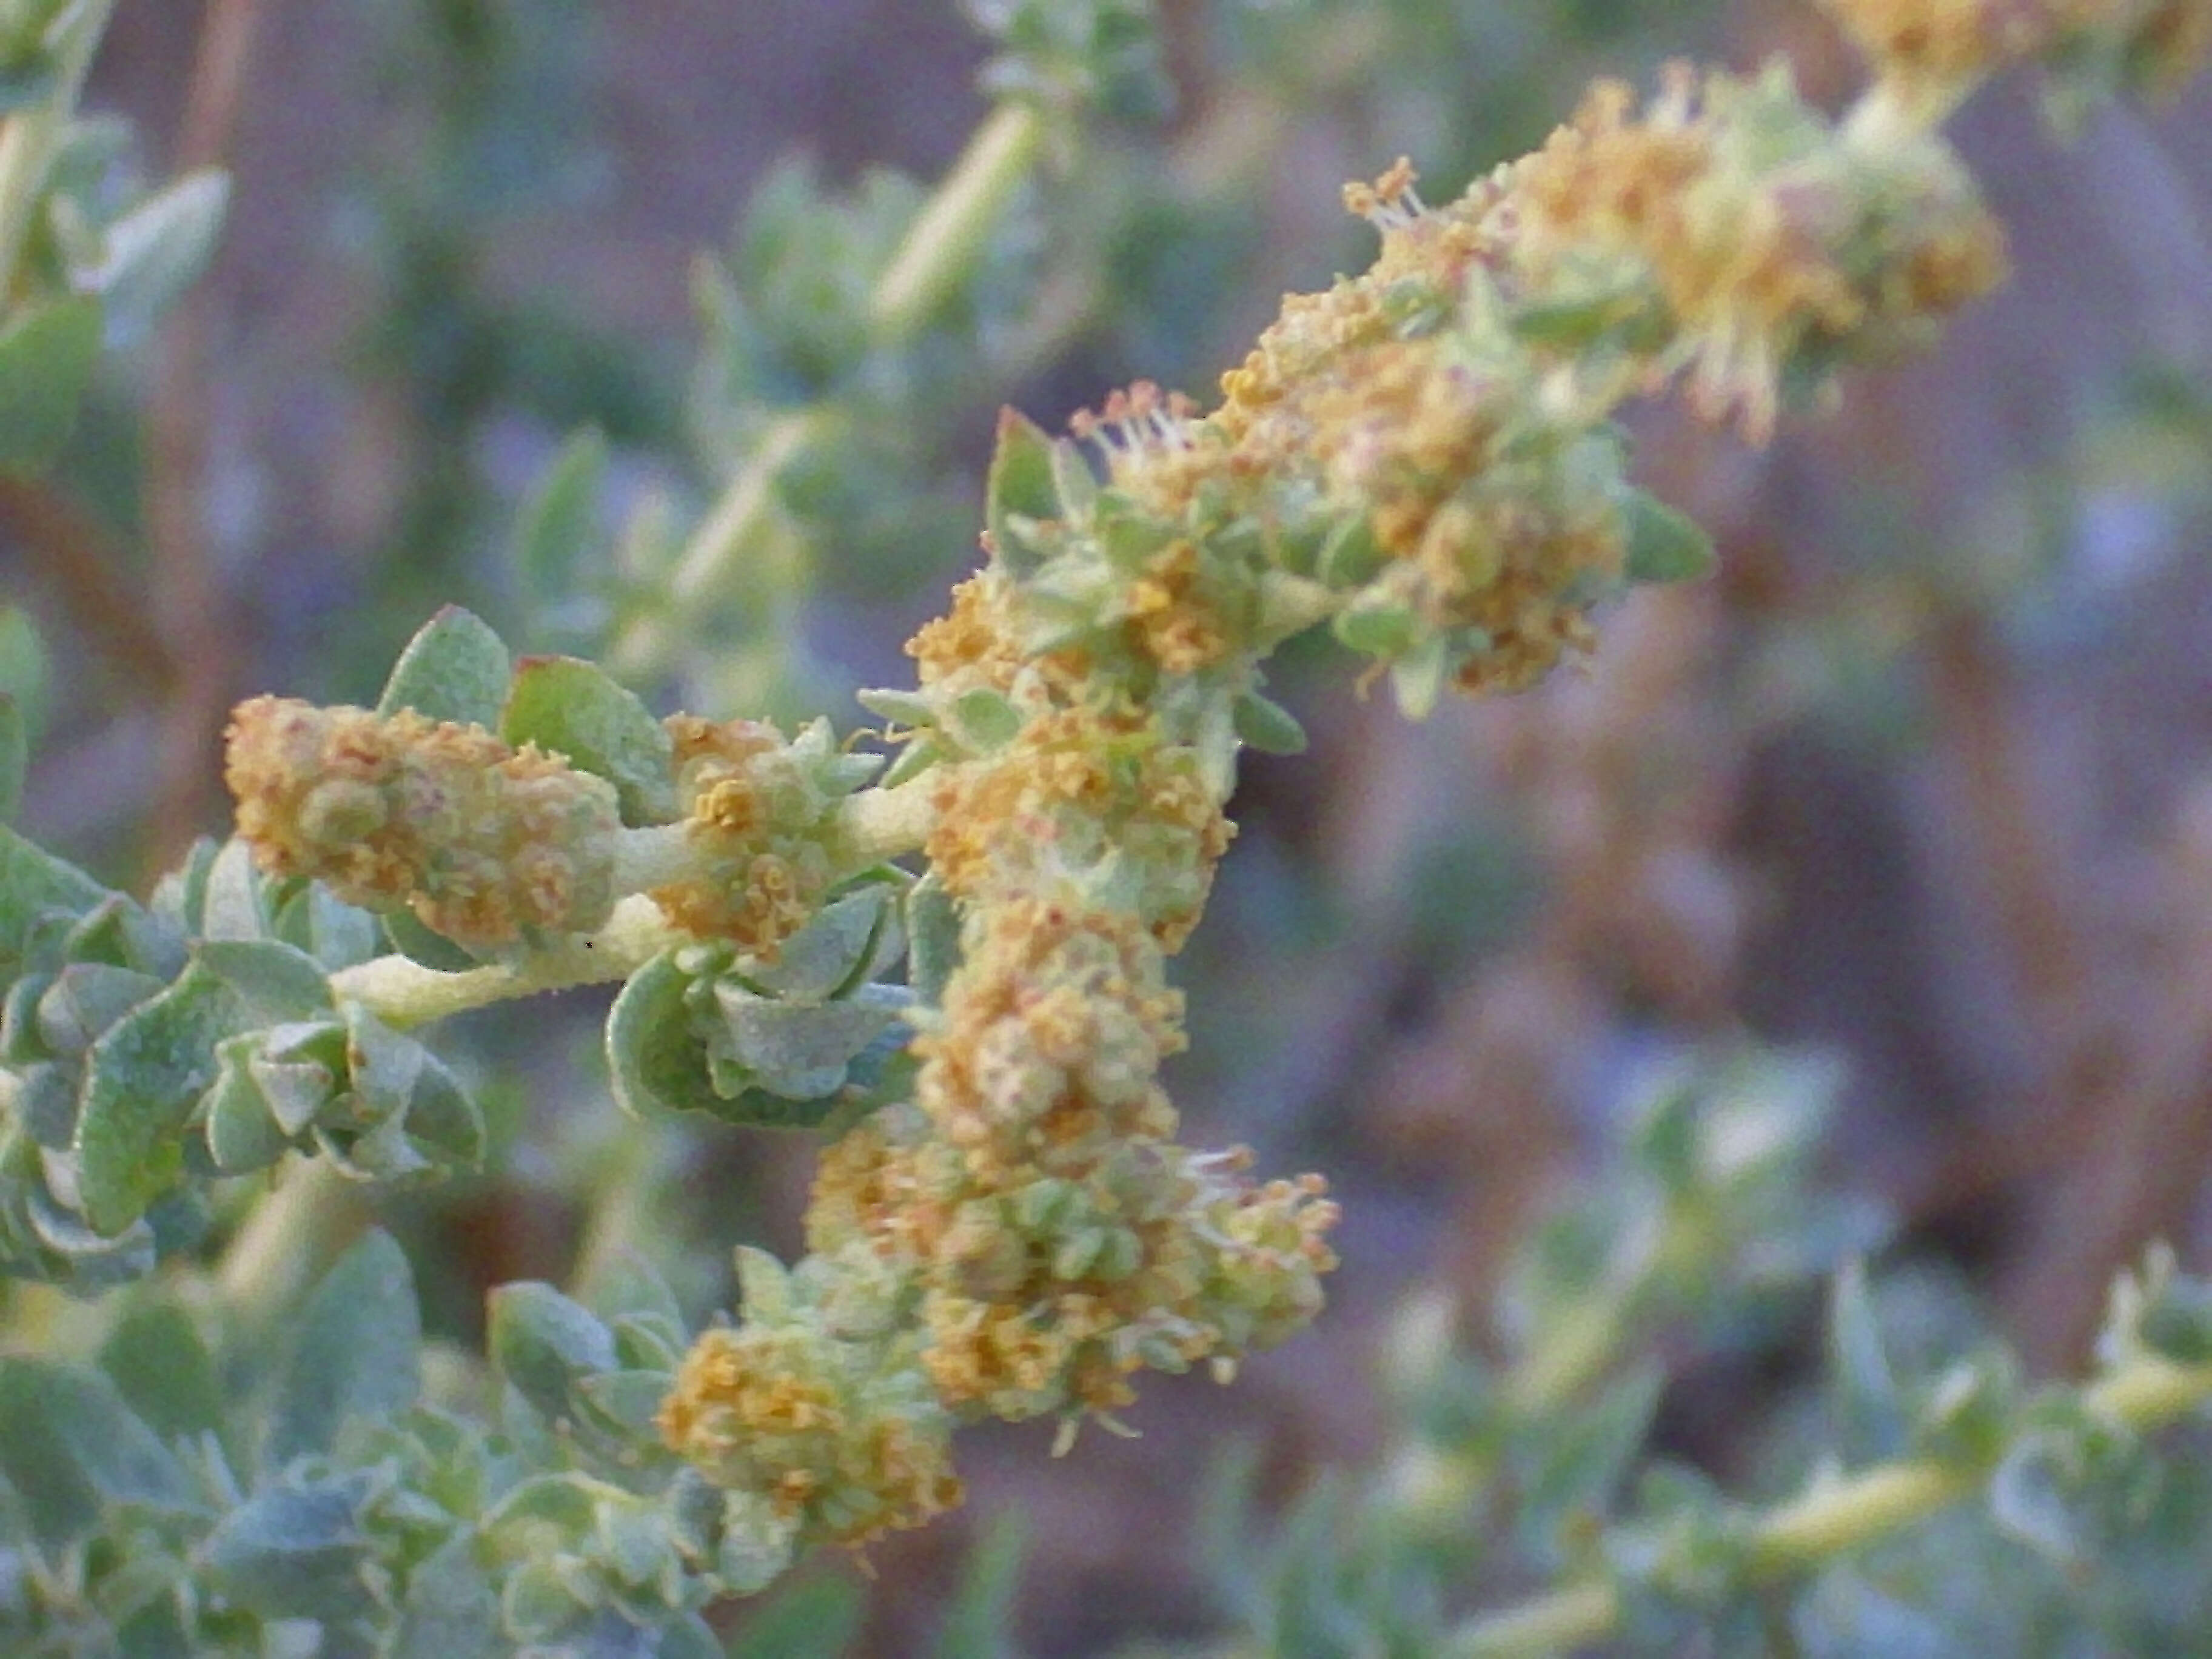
[[1060, 1239], [760, 814], [815, 1434], [486, 843], [1095, 799]]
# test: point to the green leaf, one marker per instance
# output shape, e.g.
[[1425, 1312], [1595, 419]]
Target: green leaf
[[979, 1621], [1869, 1408], [1663, 545], [234, 901], [544, 1345], [986, 720], [158, 249], [119, 931], [159, 1363], [839, 948], [239, 1126], [337, 935], [419, 943], [933, 932], [454, 669], [47, 354], [293, 1552], [141, 1080], [299, 1069], [573, 707], [451, 1610], [275, 981], [914, 759], [1417, 680], [1376, 626], [34, 883], [24, 669], [558, 531], [1266, 726], [655, 1061], [68, 1444], [908, 709], [28, 81], [84, 999], [818, 1618], [690, 1636], [14, 755], [797, 1050], [1020, 490], [1073, 483], [356, 1353], [626, 1401], [1349, 557]]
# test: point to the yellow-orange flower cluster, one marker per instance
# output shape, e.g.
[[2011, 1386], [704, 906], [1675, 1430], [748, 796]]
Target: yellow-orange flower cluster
[[484, 841], [755, 820], [830, 1442]]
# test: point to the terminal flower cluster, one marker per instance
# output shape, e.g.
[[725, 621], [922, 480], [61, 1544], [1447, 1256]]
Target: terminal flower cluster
[[485, 842]]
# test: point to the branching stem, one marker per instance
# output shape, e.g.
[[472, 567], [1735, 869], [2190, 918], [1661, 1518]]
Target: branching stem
[[2142, 1392], [875, 825]]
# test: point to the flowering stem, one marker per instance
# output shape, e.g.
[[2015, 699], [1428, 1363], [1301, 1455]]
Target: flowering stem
[[2142, 1392], [871, 827]]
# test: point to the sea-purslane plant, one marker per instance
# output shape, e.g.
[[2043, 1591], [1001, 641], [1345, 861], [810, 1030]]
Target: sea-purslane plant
[[1421, 460]]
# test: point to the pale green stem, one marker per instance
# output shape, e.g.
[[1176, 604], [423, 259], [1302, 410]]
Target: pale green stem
[[287, 1240], [654, 857], [732, 526], [872, 826], [2143, 1393], [402, 993], [27, 139], [879, 824], [937, 253], [1435, 1486], [946, 239]]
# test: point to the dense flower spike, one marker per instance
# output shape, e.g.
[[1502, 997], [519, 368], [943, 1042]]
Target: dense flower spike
[[814, 1435], [485, 842], [1420, 454]]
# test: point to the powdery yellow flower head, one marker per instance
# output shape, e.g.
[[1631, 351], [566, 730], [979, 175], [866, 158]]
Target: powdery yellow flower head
[[830, 1439], [758, 817], [485, 842]]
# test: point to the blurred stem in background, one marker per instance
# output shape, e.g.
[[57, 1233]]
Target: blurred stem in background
[[939, 250], [194, 615]]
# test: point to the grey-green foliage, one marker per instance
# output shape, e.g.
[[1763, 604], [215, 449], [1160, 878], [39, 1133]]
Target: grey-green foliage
[[2075, 1534], [146, 1049], [814, 1034], [1101, 53], [176, 1497], [91, 253]]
